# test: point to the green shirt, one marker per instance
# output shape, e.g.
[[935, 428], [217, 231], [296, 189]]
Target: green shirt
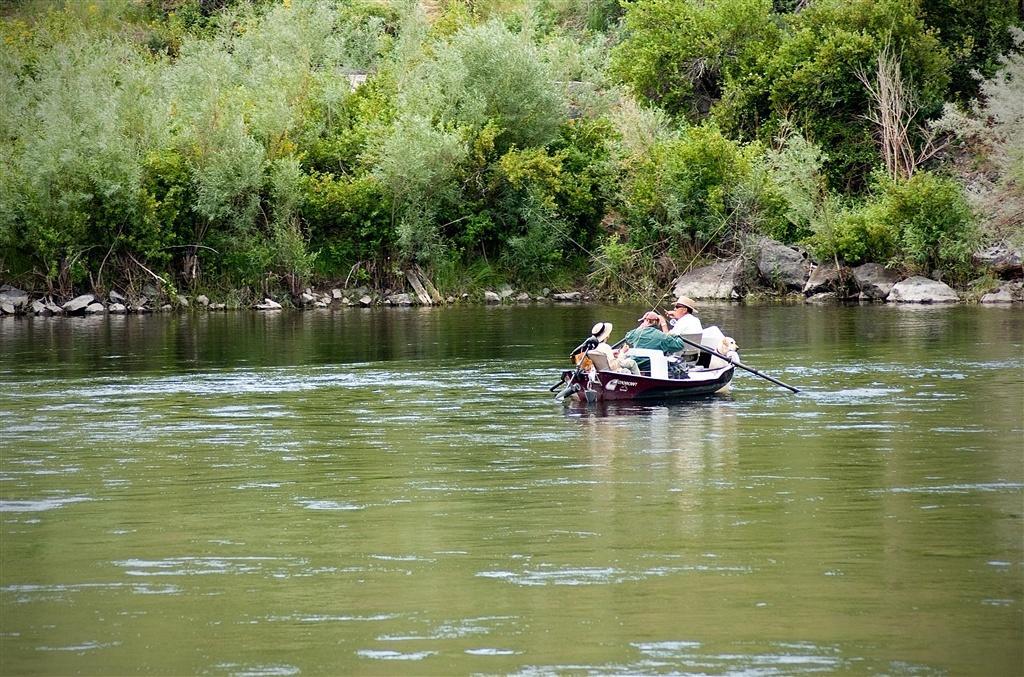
[[654, 339]]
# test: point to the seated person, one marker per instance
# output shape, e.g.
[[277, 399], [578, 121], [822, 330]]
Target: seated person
[[617, 361], [684, 316], [649, 336]]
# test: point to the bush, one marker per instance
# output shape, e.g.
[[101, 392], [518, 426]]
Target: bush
[[679, 53], [923, 223], [811, 81], [682, 193], [935, 223]]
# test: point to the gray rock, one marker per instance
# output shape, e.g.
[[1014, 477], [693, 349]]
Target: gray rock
[[365, 300], [722, 280], [570, 296], [39, 308], [94, 308], [166, 308], [321, 304], [78, 304], [875, 281], [203, 300], [346, 301], [522, 297], [305, 298], [268, 304], [181, 301], [54, 308], [827, 278], [782, 266], [400, 299], [823, 297], [491, 297], [1002, 259], [6, 308], [1001, 295], [217, 306], [336, 294], [117, 309], [116, 297], [15, 297], [919, 289]]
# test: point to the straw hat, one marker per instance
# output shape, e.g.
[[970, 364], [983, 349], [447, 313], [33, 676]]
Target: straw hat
[[686, 302], [601, 331]]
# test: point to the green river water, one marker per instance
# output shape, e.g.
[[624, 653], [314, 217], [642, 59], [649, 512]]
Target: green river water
[[395, 492]]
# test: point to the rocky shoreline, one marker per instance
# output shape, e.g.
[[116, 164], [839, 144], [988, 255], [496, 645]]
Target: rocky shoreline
[[767, 269]]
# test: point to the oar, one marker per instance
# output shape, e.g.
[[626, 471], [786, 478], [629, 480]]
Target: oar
[[738, 364]]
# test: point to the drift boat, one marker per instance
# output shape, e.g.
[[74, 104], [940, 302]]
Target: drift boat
[[698, 372]]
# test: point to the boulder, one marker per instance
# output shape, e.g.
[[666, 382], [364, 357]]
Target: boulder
[[336, 295], [217, 306], [874, 281], [320, 304], [203, 300], [268, 304], [919, 289], [1002, 259], [722, 280], [117, 309], [491, 297], [17, 298], [166, 308], [1008, 292], [94, 308], [116, 297], [39, 308], [1001, 295], [823, 297], [78, 304], [782, 266], [400, 299], [522, 297], [827, 277], [365, 300], [6, 308], [54, 308], [306, 298], [567, 297]]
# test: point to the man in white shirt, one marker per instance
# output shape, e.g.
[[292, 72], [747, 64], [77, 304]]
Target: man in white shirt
[[684, 315]]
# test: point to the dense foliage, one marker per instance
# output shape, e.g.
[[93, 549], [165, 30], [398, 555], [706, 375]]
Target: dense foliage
[[225, 143]]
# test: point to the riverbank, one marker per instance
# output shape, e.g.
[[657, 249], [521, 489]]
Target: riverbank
[[767, 271]]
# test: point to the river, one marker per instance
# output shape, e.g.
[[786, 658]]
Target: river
[[394, 491]]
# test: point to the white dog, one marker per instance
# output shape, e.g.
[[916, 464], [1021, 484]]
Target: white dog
[[727, 346]]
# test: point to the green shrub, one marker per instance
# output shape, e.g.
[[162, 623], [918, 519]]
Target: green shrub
[[936, 226], [924, 224], [682, 192]]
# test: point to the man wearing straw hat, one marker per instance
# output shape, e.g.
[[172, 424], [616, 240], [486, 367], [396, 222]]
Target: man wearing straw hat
[[684, 316]]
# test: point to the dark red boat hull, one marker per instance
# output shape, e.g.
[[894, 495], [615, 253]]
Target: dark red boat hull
[[617, 386]]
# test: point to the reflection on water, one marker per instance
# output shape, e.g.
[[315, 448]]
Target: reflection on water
[[384, 491]]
